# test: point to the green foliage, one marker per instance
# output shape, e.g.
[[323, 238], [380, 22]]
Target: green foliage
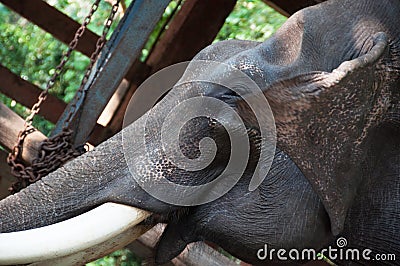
[[251, 20], [32, 54], [122, 257]]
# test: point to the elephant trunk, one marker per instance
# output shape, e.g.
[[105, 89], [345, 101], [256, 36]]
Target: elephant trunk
[[126, 169], [80, 185]]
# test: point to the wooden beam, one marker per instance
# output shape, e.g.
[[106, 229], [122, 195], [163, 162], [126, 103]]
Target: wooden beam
[[145, 246], [193, 28], [6, 178], [27, 94], [197, 253], [113, 104], [201, 252], [289, 7], [54, 22], [139, 72], [10, 126], [121, 51]]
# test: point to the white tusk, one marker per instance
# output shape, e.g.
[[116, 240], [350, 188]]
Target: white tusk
[[72, 236], [98, 251]]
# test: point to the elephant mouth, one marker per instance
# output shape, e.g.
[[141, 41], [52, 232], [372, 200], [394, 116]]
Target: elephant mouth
[[75, 238]]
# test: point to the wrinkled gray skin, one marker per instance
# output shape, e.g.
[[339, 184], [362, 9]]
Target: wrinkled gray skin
[[336, 170]]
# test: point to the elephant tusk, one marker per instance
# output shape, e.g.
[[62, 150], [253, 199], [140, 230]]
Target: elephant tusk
[[72, 236], [98, 251]]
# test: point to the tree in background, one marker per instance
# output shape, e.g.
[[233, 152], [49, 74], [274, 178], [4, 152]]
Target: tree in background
[[251, 20]]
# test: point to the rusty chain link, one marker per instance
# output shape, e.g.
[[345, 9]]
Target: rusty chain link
[[99, 45], [57, 150], [66, 56]]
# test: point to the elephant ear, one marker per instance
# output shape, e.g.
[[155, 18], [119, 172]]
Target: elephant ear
[[323, 120]]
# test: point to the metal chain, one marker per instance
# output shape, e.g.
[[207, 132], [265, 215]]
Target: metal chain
[[55, 151], [66, 56], [81, 92]]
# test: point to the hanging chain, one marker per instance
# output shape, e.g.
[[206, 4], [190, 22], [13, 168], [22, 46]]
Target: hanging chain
[[99, 45], [55, 151], [66, 56]]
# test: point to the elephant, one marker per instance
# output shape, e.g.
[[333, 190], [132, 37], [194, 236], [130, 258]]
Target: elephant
[[331, 75]]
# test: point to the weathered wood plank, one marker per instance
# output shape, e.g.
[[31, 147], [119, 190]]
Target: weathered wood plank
[[10, 126], [197, 253], [200, 253], [122, 50], [26, 93], [194, 27], [289, 7], [53, 21], [6, 179]]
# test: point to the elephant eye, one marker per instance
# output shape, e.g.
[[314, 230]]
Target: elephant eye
[[231, 98]]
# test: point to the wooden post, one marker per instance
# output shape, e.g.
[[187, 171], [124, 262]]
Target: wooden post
[[197, 253], [6, 179], [10, 126]]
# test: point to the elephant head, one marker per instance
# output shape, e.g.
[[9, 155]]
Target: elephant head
[[331, 75]]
